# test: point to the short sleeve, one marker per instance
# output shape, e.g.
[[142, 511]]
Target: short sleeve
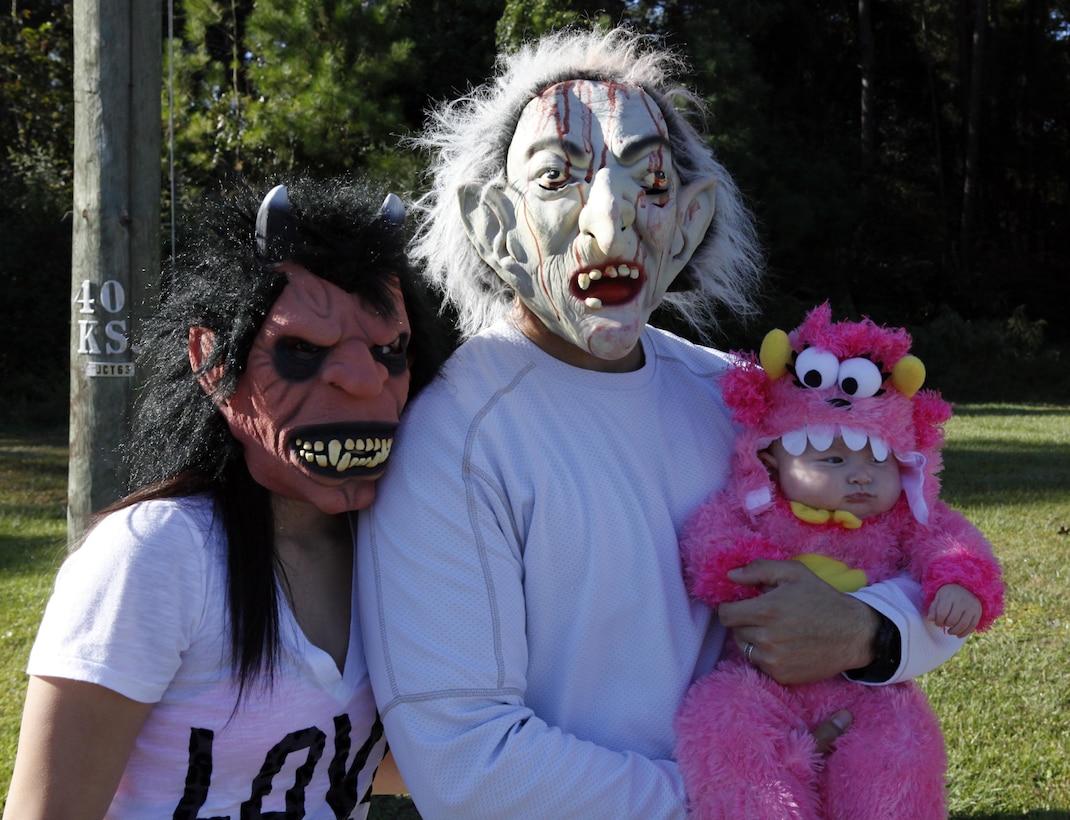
[[128, 601]]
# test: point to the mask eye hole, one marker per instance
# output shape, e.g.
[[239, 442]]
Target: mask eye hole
[[298, 360], [860, 378], [816, 368]]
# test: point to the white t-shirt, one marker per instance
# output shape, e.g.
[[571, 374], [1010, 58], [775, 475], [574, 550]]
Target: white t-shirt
[[140, 608]]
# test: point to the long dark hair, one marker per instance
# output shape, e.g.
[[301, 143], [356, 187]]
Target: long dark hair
[[180, 444]]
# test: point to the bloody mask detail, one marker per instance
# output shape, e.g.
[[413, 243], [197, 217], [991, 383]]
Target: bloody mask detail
[[593, 224], [321, 395]]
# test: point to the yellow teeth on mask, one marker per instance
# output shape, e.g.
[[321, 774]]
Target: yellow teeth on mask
[[343, 455], [620, 272]]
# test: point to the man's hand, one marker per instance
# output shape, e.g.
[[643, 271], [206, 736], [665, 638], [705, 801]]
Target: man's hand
[[801, 629]]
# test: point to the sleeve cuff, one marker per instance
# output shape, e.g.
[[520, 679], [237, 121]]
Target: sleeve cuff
[[923, 645], [887, 654]]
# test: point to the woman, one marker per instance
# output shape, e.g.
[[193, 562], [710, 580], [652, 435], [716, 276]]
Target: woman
[[200, 656]]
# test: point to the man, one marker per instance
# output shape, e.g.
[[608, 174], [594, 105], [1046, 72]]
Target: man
[[528, 631]]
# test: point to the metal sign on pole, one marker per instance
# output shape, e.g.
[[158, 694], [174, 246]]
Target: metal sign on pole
[[115, 250]]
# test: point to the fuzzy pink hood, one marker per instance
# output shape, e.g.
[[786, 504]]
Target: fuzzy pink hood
[[827, 379]]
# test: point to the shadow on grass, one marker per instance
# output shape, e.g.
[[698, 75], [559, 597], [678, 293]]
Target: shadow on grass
[[976, 472], [979, 410], [993, 469], [29, 555], [33, 479]]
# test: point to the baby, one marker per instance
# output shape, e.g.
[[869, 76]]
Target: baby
[[857, 484], [836, 467]]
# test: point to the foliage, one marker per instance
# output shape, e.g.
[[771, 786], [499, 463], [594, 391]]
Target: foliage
[[35, 94], [1004, 700], [267, 86], [36, 142], [528, 19], [973, 360]]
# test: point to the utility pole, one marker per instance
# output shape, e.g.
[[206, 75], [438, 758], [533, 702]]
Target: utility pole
[[115, 253]]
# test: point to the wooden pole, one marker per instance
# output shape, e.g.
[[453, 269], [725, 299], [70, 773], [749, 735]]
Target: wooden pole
[[115, 253]]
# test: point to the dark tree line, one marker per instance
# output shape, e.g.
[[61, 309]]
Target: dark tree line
[[907, 159]]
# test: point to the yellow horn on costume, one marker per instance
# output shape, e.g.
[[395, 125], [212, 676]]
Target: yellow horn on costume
[[775, 354], [908, 375]]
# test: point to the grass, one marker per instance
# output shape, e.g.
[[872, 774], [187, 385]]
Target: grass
[[1004, 700], [33, 532]]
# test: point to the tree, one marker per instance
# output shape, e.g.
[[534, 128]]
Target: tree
[[526, 19], [272, 85], [975, 95], [36, 141], [267, 88], [868, 61]]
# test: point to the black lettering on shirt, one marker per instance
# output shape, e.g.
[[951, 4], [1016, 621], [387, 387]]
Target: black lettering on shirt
[[312, 739], [341, 795], [198, 776]]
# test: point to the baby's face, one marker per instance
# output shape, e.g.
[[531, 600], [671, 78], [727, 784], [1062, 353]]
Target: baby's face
[[838, 478]]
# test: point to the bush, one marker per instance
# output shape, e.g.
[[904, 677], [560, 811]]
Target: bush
[[992, 361], [35, 275]]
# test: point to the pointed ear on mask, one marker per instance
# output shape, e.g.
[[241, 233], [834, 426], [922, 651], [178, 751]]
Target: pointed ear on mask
[[697, 203], [486, 214], [201, 341]]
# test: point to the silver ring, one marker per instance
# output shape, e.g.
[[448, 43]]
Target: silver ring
[[747, 652]]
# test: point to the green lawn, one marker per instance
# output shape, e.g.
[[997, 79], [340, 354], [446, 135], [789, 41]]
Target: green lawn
[[33, 531], [1004, 700]]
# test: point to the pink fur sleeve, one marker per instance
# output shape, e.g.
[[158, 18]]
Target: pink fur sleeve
[[953, 551], [715, 540]]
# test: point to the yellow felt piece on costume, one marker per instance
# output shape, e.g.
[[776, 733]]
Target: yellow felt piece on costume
[[812, 515], [775, 353], [833, 572], [809, 514], [847, 520], [908, 375]]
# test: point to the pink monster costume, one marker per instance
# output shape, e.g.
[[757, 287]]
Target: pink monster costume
[[744, 742]]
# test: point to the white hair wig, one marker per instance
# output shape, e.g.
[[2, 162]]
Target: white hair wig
[[469, 139]]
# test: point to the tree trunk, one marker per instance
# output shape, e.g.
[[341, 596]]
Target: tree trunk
[[973, 137], [868, 63]]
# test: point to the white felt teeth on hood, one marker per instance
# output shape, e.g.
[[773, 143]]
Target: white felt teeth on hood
[[820, 437], [854, 439]]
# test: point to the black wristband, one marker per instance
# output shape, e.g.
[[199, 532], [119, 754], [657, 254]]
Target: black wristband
[[887, 653]]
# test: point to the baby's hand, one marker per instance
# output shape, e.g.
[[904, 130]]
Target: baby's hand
[[956, 609]]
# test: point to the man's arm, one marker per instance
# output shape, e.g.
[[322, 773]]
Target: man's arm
[[803, 630]]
